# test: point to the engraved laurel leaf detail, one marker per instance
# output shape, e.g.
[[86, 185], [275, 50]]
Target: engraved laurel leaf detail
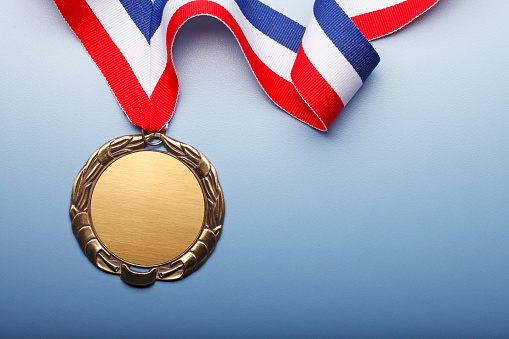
[[116, 148], [81, 195], [214, 214]]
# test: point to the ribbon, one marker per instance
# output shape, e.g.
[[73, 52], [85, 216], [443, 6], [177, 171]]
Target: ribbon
[[311, 73]]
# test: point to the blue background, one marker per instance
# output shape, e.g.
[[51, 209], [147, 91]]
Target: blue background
[[394, 223]]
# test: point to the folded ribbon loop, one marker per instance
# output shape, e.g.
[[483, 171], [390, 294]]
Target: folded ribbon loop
[[311, 73]]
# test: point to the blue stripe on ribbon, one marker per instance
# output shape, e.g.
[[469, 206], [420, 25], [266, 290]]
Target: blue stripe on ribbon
[[146, 15], [346, 37], [157, 15], [275, 25]]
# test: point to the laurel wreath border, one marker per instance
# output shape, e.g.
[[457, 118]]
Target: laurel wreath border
[[176, 269]]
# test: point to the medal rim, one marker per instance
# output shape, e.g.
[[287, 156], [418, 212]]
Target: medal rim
[[174, 269]]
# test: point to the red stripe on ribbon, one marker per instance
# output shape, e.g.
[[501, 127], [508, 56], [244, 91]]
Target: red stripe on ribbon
[[390, 19], [112, 63], [317, 92]]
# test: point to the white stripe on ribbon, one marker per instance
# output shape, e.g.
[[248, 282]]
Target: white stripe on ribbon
[[329, 62], [277, 57], [159, 57], [126, 35]]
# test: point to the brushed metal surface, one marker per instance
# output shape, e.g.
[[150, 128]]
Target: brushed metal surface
[[147, 208]]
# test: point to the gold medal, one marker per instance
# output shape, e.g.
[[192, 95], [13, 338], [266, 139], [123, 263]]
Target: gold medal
[[145, 214]]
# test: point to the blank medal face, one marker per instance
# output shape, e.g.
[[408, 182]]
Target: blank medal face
[[147, 208]]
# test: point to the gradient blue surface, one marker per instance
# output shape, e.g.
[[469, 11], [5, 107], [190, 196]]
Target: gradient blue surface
[[394, 223]]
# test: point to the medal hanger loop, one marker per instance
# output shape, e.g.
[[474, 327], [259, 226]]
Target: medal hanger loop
[[148, 138]]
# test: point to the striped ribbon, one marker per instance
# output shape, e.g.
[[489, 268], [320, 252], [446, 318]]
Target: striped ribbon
[[311, 73]]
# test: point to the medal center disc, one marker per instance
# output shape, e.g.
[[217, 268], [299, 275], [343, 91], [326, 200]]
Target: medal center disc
[[147, 208]]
